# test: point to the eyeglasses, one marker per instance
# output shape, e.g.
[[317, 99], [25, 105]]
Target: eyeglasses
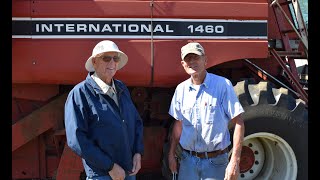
[[109, 58]]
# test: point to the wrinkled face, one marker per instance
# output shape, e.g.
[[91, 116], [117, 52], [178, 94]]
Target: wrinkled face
[[194, 64], [106, 65]]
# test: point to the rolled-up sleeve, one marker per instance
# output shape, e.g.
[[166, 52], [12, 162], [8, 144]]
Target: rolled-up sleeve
[[230, 101]]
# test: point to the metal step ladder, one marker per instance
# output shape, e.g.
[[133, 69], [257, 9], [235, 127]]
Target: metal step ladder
[[285, 56]]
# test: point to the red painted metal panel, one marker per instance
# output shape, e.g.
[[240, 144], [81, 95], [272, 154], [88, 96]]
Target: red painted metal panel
[[62, 61], [45, 66], [89, 9], [204, 9], [39, 92], [52, 165], [21, 8], [168, 70], [38, 122], [23, 107], [224, 10], [25, 161], [153, 139], [70, 165]]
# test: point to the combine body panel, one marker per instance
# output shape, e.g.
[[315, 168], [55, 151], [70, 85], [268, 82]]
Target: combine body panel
[[251, 42]]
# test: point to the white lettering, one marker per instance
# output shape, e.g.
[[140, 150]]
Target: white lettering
[[58, 26], [206, 29], [81, 27], [95, 28], [158, 28], [116, 27], [133, 28], [47, 28], [69, 27], [37, 27], [124, 28], [145, 28], [106, 27], [167, 28], [219, 29]]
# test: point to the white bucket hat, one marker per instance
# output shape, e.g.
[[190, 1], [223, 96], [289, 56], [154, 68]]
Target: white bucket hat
[[106, 46], [192, 47]]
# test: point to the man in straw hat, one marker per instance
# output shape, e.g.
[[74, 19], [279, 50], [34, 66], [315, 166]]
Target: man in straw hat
[[102, 124], [203, 106]]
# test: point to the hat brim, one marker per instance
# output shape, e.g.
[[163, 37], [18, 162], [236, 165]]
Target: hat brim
[[123, 61], [194, 52]]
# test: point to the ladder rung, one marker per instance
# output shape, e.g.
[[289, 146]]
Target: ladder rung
[[285, 3], [291, 54], [287, 31]]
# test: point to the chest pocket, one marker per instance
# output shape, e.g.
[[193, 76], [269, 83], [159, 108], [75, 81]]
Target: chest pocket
[[212, 110]]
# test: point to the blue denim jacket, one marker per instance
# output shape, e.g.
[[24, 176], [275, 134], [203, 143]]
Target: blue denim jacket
[[101, 132]]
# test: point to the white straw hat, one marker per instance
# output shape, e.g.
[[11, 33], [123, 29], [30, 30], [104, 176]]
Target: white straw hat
[[106, 46]]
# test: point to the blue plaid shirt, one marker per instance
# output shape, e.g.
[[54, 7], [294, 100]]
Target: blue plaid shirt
[[205, 111]]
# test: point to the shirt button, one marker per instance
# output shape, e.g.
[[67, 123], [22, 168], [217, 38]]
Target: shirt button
[[123, 120]]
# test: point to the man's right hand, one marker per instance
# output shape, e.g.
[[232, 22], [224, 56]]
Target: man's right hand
[[172, 163], [117, 173]]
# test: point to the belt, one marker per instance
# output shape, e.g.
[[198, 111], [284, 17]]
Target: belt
[[211, 154]]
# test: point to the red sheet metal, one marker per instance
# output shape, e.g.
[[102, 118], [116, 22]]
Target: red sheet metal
[[61, 61], [38, 122], [168, 70], [135, 9], [38, 92], [70, 165]]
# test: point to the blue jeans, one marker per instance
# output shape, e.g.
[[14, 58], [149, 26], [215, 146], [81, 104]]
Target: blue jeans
[[109, 178], [194, 168]]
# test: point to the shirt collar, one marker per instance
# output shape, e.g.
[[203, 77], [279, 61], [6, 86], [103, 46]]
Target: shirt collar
[[205, 82], [104, 87]]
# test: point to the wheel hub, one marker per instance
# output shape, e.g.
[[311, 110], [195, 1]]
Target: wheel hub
[[247, 159]]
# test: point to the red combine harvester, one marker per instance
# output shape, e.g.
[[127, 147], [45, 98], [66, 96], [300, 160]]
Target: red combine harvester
[[260, 45]]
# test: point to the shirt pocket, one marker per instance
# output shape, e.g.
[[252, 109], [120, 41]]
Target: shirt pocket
[[211, 113]]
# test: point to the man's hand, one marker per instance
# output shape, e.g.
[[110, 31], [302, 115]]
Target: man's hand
[[117, 173], [232, 171], [172, 163], [136, 164], [175, 136]]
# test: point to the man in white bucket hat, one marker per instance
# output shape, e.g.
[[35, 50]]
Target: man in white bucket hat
[[102, 124], [104, 47]]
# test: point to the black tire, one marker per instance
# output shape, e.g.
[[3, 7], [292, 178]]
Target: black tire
[[274, 112]]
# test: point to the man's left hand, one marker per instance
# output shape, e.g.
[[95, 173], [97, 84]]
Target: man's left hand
[[136, 164]]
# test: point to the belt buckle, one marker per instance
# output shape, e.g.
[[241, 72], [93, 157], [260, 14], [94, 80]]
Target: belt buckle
[[196, 154]]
